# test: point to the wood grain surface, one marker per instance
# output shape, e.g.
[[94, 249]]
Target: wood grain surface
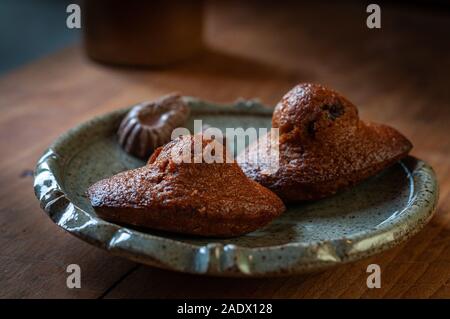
[[399, 75]]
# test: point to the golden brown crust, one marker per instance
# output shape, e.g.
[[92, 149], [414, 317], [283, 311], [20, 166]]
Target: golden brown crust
[[214, 199], [324, 147]]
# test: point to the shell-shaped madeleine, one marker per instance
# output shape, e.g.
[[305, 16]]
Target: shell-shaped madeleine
[[323, 146]]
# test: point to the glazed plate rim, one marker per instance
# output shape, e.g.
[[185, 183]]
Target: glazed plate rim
[[216, 258]]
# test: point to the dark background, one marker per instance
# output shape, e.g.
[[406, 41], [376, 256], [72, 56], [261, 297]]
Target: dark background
[[30, 29]]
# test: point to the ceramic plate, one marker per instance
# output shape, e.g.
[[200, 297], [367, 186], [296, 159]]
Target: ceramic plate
[[373, 216]]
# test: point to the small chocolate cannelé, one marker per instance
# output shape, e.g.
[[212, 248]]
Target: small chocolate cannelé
[[150, 124]]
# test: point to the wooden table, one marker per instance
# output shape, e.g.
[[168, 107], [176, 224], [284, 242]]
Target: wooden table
[[398, 75]]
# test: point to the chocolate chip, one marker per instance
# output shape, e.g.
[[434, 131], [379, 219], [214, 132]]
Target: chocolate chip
[[311, 128], [334, 110]]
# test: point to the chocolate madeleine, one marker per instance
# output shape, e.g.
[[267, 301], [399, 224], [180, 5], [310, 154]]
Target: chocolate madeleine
[[323, 146], [207, 199]]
